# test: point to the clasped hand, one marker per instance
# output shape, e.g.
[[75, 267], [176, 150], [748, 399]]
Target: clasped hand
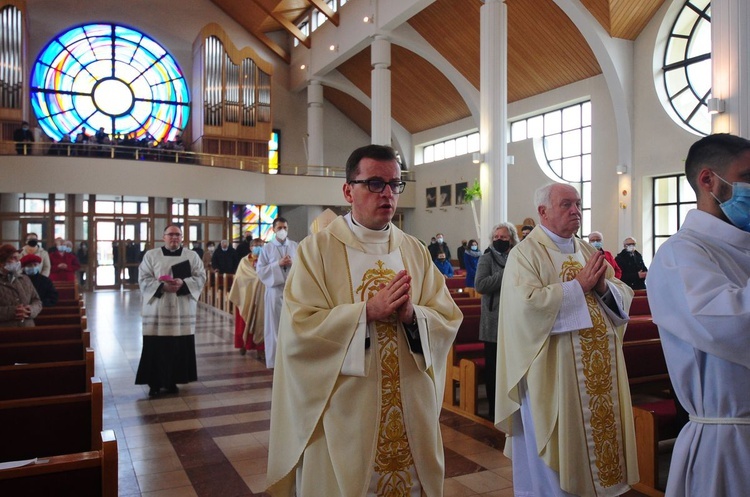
[[392, 297], [172, 286], [23, 311], [591, 277], [285, 261]]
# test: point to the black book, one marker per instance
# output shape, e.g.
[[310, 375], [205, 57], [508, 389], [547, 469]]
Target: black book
[[182, 270]]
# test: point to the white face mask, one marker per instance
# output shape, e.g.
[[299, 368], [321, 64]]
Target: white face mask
[[439, 239], [630, 248], [281, 235], [31, 270], [13, 267]]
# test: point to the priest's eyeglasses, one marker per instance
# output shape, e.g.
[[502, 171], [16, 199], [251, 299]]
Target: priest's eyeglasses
[[378, 185]]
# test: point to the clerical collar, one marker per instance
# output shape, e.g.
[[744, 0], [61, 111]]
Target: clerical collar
[[566, 245], [367, 235], [171, 253]]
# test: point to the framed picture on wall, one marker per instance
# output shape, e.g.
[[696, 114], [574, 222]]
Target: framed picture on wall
[[445, 195], [461, 192], [431, 197]]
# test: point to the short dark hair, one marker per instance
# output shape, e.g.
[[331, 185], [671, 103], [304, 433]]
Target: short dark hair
[[715, 152], [278, 220], [375, 152], [526, 227], [170, 225]]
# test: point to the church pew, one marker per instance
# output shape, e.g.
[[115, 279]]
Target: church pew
[[639, 306], [46, 333], [51, 426], [83, 474], [59, 319], [45, 379], [65, 307], [466, 344], [47, 351], [455, 283], [67, 290], [227, 305]]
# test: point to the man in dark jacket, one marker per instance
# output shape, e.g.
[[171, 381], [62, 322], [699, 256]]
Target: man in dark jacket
[[224, 259], [631, 262]]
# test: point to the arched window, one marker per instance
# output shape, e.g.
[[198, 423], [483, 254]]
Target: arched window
[[110, 76], [566, 136], [687, 65]]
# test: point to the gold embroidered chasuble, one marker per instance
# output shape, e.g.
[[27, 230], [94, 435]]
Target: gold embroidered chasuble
[[576, 382], [247, 294], [337, 428]]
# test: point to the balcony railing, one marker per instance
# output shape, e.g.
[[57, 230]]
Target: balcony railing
[[155, 154]]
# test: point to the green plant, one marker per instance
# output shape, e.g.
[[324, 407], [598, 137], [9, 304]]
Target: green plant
[[473, 193]]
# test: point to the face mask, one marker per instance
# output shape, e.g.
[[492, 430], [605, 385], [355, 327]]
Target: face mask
[[737, 208], [441, 257], [256, 250], [31, 270], [630, 248], [597, 245], [281, 235], [474, 247], [33, 242], [439, 239], [211, 248], [25, 128], [13, 267], [501, 245]]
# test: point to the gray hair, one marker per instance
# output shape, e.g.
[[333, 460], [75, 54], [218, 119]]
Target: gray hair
[[543, 195], [511, 230], [596, 233]]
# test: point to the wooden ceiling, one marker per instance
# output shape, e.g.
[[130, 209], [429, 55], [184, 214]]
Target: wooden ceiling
[[545, 51]]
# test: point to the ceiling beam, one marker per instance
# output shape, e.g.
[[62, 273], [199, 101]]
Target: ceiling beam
[[288, 25], [322, 6]]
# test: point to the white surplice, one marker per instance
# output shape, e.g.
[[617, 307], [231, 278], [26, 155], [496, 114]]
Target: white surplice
[[699, 298], [274, 278]]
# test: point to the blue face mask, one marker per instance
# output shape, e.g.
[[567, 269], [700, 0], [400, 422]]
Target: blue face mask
[[256, 250], [474, 248], [597, 245], [737, 208]]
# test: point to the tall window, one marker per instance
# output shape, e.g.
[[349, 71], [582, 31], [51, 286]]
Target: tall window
[[447, 149], [108, 76], [687, 65], [566, 134], [673, 198], [256, 219]]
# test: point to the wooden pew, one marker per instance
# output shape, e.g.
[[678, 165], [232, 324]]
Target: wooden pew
[[60, 319], [36, 352], [67, 290], [83, 474], [51, 426], [68, 308], [654, 419], [45, 379], [11, 335], [466, 344]]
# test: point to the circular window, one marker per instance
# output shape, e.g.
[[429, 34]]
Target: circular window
[[112, 77], [687, 65]]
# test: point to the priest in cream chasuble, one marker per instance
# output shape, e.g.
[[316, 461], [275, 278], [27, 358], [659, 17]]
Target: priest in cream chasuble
[[562, 391], [356, 401]]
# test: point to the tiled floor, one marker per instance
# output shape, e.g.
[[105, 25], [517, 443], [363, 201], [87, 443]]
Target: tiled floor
[[211, 439]]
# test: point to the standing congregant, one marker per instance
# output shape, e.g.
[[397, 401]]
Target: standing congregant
[[699, 298], [365, 330], [562, 391], [171, 279], [273, 268]]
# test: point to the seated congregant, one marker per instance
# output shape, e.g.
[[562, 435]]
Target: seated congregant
[[32, 266]]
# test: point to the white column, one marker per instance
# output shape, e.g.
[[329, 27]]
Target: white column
[[10, 229], [730, 58], [493, 114], [315, 128], [381, 90]]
